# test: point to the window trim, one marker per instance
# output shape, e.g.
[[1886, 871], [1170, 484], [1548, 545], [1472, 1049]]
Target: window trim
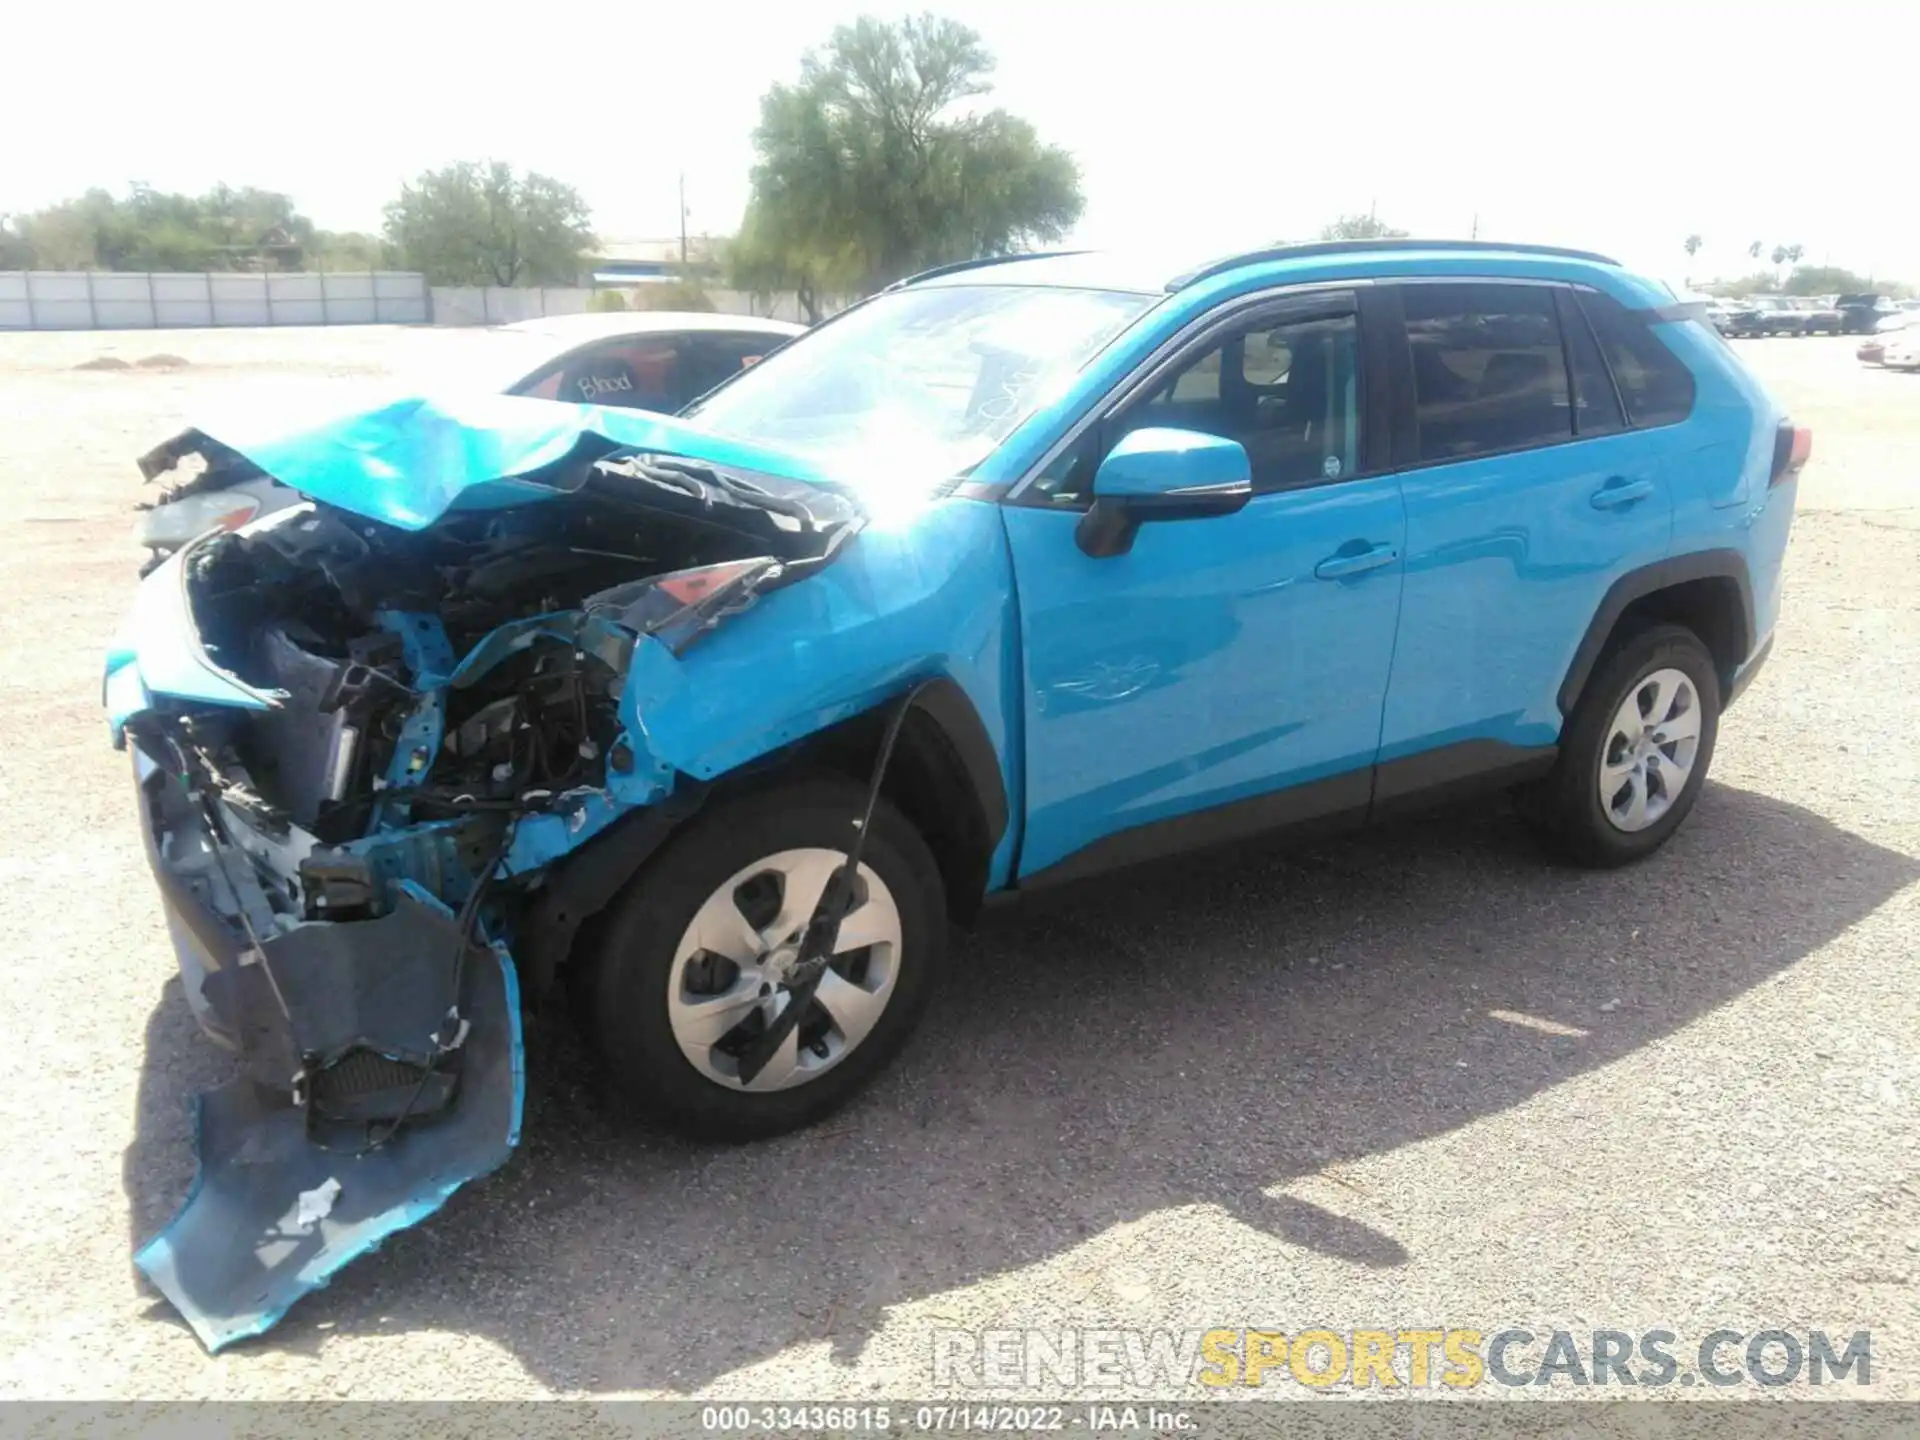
[[1565, 304], [1298, 301]]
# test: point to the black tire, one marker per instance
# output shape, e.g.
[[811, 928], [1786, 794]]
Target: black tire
[[644, 926], [1565, 807]]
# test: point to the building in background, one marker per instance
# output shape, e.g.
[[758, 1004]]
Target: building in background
[[624, 262]]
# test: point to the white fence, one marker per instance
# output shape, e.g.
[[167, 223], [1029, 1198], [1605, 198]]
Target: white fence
[[500, 305], [119, 300]]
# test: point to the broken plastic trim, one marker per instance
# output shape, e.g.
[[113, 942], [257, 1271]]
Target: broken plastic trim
[[239, 1254]]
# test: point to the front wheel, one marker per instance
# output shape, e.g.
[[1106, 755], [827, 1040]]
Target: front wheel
[[697, 960], [1634, 753]]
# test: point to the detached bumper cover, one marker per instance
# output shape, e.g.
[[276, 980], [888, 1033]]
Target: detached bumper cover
[[335, 1021]]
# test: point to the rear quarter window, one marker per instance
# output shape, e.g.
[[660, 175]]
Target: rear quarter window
[[1655, 384]]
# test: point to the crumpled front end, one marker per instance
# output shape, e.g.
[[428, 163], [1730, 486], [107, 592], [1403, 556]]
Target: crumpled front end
[[359, 746]]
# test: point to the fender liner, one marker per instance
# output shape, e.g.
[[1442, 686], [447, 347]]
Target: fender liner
[[581, 885], [1650, 580]]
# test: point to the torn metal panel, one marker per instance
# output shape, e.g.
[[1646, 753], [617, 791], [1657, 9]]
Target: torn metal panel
[[239, 1253]]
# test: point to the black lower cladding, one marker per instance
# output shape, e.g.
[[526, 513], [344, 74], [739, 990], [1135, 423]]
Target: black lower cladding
[[1319, 807], [240, 1251], [353, 1008]]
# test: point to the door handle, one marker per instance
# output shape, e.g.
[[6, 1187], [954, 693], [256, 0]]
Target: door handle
[[1339, 567], [1617, 494]]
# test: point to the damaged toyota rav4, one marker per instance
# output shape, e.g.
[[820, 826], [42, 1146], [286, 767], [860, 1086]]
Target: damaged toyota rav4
[[1016, 572]]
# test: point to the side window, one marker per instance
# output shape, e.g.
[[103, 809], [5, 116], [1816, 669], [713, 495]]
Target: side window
[[1596, 405], [627, 373], [1656, 385], [1488, 370], [1288, 390]]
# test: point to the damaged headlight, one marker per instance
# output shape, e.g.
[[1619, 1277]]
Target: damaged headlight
[[678, 607], [169, 526]]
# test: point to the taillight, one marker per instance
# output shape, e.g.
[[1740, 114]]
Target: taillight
[[1792, 444]]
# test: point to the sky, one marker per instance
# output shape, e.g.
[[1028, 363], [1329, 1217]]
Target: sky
[[1199, 128]]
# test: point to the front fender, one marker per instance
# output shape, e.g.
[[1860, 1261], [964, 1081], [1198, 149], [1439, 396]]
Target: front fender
[[929, 597]]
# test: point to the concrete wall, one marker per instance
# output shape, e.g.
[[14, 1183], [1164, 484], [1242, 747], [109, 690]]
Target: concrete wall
[[115, 300], [112, 300], [497, 305]]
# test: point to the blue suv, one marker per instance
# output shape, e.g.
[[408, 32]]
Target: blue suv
[[1016, 572]]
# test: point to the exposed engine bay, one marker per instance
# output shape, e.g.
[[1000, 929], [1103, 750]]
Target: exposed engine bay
[[440, 714], [352, 620]]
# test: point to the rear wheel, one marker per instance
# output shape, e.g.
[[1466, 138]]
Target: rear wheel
[[698, 959], [1635, 751]]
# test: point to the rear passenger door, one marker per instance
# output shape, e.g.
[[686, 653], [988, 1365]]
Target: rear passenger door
[[1527, 496]]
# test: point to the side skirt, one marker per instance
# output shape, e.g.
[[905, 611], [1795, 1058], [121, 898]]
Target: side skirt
[[1320, 807]]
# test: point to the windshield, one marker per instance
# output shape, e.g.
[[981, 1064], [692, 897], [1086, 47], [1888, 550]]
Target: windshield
[[920, 385]]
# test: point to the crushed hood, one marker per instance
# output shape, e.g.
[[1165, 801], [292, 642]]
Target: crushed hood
[[409, 462]]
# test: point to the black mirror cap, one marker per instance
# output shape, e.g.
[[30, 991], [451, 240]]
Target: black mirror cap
[[1108, 527]]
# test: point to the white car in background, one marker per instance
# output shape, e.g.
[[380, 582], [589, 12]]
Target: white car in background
[[1901, 349], [641, 360]]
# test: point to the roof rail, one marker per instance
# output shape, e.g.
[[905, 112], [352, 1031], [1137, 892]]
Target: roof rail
[[957, 266], [1341, 247]]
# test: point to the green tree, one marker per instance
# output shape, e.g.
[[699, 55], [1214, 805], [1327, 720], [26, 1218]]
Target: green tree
[[1761, 282], [765, 264], [224, 229], [472, 224], [16, 252], [1360, 227], [1754, 249], [1692, 245], [353, 250], [873, 166]]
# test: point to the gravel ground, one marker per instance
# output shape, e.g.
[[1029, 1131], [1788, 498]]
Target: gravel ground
[[1272, 1090]]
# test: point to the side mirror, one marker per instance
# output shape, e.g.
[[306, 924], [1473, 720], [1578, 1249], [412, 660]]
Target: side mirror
[[1162, 474]]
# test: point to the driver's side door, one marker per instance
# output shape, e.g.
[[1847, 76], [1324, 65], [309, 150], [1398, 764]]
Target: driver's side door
[[1223, 675]]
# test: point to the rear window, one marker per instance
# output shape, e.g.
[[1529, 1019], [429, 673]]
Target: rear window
[[1655, 386]]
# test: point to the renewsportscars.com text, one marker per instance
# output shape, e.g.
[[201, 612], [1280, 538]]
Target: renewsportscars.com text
[[1386, 1359]]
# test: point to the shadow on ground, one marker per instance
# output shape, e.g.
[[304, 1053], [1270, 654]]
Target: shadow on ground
[[1198, 1032]]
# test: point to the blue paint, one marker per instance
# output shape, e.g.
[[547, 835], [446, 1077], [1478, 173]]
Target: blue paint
[[1205, 665], [1157, 461], [1317, 631], [424, 646], [1361, 616], [410, 462]]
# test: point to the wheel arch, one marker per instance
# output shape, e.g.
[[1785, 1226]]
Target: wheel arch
[[944, 776], [1708, 591]]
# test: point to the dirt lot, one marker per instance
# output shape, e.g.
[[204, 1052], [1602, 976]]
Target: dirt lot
[[1273, 1089]]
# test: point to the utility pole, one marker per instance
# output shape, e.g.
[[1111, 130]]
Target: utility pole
[[683, 219], [1476, 226]]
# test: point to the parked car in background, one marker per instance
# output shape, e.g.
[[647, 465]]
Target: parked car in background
[[1817, 317], [1859, 314], [1872, 350], [1017, 572], [1722, 314], [632, 360], [1901, 349], [1763, 315]]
